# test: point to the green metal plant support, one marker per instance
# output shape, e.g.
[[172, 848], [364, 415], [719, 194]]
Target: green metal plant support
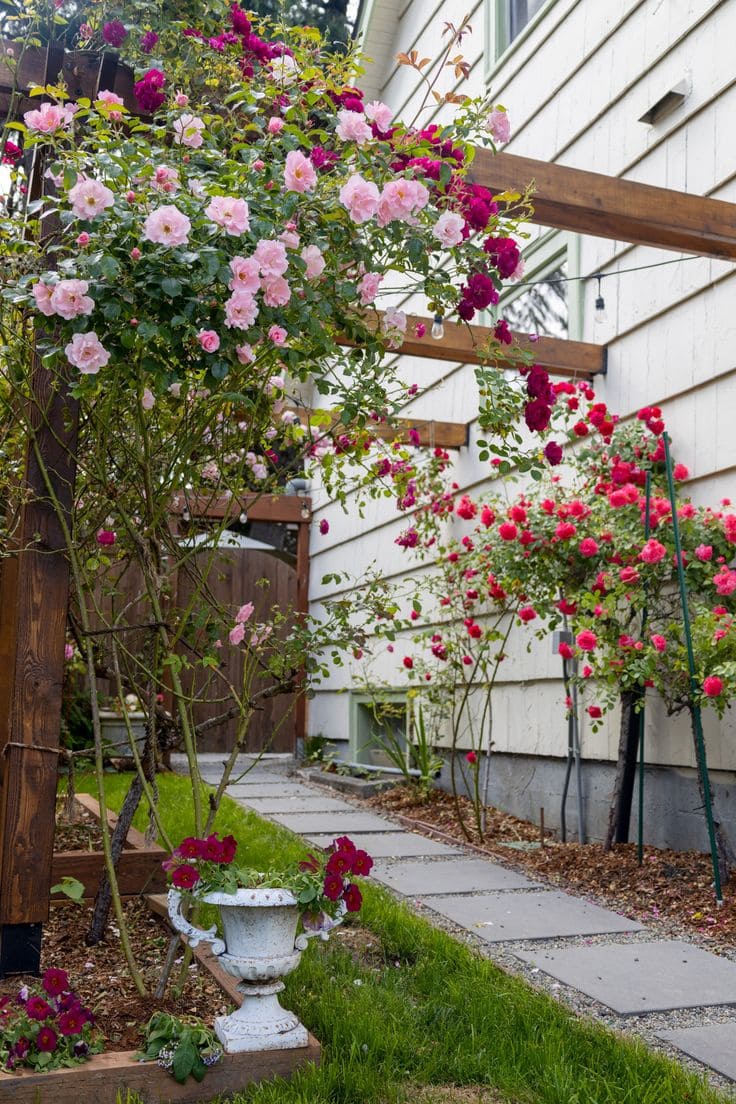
[[697, 716], [642, 712]]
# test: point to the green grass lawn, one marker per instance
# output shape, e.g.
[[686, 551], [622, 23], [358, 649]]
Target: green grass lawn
[[420, 1017]]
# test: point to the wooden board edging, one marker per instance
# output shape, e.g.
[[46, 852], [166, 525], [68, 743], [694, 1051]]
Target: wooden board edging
[[107, 1074]]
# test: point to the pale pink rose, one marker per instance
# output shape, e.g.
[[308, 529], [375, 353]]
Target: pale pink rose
[[380, 114], [165, 179], [352, 127], [245, 353], [276, 291], [278, 335], [275, 125], [360, 197], [167, 226], [86, 353], [259, 165], [271, 257], [394, 326], [241, 310], [300, 174], [499, 127], [42, 294], [89, 198], [245, 272], [518, 271], [401, 199], [149, 399], [313, 259], [237, 634], [244, 613], [230, 213], [69, 299], [175, 390], [290, 239], [448, 229], [49, 117], [181, 99], [275, 383], [57, 179], [68, 652], [208, 340], [188, 131], [108, 97], [368, 287]]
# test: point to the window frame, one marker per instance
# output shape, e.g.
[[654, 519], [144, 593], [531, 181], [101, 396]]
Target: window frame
[[541, 257], [497, 48]]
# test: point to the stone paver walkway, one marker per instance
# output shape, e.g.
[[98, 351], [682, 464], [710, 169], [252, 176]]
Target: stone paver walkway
[[629, 975]]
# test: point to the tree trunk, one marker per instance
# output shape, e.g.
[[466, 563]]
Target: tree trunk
[[619, 817], [103, 899]]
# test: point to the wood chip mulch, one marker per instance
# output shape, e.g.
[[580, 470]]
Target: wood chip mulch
[[671, 890]]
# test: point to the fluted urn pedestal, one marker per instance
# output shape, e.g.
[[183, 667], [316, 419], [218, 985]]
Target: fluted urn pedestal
[[259, 948]]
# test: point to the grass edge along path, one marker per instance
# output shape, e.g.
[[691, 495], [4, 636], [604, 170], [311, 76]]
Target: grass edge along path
[[423, 1009]]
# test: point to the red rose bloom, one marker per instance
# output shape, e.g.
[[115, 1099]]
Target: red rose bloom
[[712, 686], [594, 711]]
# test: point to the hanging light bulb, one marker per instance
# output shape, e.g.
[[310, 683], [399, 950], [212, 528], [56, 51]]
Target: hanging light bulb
[[600, 303], [243, 517], [438, 330], [185, 515], [305, 510]]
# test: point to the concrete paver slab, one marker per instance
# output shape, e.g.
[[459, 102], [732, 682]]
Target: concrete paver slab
[[250, 790], [304, 802], [454, 876], [642, 977], [544, 915], [335, 823], [712, 1044], [386, 845]]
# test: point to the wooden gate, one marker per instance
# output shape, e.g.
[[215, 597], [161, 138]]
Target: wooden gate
[[242, 575]]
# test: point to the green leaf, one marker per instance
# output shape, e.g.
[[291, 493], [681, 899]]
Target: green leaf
[[171, 287], [109, 267], [70, 887], [185, 1057]]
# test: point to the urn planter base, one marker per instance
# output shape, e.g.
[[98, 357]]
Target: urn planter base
[[260, 1023]]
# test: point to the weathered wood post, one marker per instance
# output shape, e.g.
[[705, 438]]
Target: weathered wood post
[[34, 591]]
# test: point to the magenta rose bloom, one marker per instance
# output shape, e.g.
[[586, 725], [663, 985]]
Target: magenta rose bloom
[[553, 452], [148, 41], [148, 90], [185, 877], [114, 33], [537, 415]]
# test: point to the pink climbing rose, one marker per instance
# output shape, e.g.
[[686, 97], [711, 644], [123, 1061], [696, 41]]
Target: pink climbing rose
[[70, 300], [90, 198], [360, 198], [230, 213], [86, 352], [652, 552], [300, 174], [208, 340], [167, 226]]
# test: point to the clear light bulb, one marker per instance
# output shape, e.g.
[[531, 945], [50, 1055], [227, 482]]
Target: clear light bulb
[[243, 518], [438, 330], [600, 309], [185, 515]]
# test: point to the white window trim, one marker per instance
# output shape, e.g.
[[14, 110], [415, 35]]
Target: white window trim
[[496, 50]]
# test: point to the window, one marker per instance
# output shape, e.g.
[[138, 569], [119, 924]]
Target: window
[[518, 14], [378, 729], [546, 301], [542, 308]]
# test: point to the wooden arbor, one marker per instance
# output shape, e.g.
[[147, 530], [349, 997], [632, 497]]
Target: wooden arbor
[[34, 586]]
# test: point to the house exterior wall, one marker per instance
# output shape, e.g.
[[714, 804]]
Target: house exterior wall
[[575, 83]]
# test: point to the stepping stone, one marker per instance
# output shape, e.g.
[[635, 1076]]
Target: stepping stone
[[545, 915], [460, 876], [712, 1044], [643, 977], [390, 844], [247, 791], [295, 803], [338, 824]]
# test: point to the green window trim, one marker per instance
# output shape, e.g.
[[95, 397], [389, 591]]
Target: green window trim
[[497, 48], [541, 257]]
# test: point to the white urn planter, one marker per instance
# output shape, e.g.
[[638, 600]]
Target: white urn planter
[[260, 947]]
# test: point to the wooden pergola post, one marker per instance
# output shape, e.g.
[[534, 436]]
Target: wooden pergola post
[[34, 592]]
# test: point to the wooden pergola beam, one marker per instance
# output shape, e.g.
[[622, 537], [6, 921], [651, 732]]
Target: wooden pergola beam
[[290, 509], [462, 344], [607, 207], [446, 435]]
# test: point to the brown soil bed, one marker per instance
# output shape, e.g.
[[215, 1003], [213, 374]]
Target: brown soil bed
[[100, 976], [671, 890]]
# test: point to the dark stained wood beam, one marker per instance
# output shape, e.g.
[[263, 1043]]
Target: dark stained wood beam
[[607, 207], [447, 435], [286, 508], [464, 344]]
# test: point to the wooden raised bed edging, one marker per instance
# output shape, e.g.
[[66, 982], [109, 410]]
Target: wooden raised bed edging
[[102, 1077], [139, 868]]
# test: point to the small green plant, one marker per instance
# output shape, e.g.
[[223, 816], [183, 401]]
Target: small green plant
[[182, 1046], [423, 754], [316, 749], [71, 888]]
